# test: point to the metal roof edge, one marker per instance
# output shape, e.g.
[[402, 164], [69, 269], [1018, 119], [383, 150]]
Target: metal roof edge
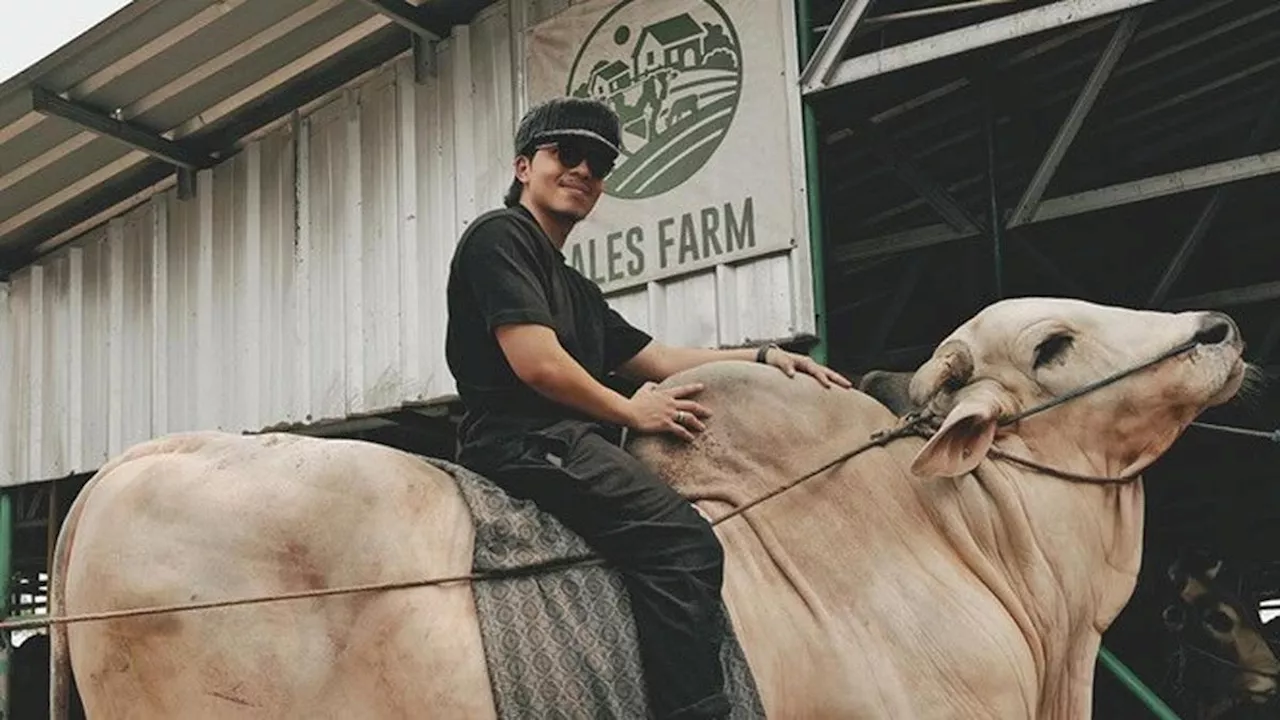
[[76, 45], [316, 86]]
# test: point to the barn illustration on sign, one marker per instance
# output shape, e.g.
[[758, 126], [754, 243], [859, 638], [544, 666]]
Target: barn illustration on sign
[[675, 85]]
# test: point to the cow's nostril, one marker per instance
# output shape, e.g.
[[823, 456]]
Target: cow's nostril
[[1216, 328], [1214, 332]]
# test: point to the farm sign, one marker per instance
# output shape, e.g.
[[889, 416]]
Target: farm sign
[[706, 171]]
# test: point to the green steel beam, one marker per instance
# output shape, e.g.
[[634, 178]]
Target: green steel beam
[[6, 568], [1136, 686], [813, 175]]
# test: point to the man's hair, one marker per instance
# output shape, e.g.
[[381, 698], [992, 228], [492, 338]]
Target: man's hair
[[512, 198], [559, 117]]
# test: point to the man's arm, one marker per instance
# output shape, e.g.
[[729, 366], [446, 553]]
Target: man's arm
[[656, 362], [537, 358]]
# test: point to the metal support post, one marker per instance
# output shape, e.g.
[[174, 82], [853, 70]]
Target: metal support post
[[1136, 686], [424, 59], [813, 177], [6, 570], [186, 184]]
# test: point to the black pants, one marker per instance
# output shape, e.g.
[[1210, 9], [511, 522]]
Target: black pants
[[670, 559]]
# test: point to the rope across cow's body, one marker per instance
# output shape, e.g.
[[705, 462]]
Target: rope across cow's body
[[921, 424]]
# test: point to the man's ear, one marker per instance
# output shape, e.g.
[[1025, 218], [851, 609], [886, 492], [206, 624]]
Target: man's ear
[[521, 168], [964, 438]]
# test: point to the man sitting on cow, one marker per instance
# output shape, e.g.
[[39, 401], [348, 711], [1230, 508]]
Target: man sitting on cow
[[530, 342]]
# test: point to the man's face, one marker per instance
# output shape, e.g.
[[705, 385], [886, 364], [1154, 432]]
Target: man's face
[[565, 177]]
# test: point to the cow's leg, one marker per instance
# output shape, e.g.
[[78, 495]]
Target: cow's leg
[[60, 674]]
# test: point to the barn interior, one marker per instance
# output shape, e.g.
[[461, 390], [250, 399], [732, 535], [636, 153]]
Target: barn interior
[[1130, 159]]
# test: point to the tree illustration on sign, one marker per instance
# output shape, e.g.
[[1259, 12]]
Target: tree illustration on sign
[[675, 84]]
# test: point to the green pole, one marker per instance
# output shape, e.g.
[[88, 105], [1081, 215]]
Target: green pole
[[804, 27], [6, 567], [1136, 686]]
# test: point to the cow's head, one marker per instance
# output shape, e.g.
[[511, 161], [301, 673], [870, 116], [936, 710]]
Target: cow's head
[[1231, 661], [1017, 354]]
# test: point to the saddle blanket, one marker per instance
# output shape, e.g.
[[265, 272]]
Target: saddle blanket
[[562, 644]]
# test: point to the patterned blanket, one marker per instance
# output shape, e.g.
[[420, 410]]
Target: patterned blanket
[[562, 644]]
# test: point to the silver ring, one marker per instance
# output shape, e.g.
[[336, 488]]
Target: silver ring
[[680, 416]]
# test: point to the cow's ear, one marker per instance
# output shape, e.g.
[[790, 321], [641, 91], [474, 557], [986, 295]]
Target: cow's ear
[[964, 438]]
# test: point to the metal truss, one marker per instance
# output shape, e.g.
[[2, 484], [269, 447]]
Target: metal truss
[[1201, 227], [1030, 202], [1181, 181], [828, 69]]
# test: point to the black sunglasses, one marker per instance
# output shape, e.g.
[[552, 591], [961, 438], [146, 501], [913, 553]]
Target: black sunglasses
[[572, 152]]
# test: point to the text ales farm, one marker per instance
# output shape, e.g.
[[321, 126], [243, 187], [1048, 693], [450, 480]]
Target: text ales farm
[[671, 243]]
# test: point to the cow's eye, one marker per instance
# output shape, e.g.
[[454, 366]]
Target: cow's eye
[[1051, 348]]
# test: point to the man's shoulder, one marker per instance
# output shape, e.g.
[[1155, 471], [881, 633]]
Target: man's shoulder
[[502, 230], [500, 222]]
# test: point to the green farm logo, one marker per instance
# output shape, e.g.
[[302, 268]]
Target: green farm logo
[[675, 84]]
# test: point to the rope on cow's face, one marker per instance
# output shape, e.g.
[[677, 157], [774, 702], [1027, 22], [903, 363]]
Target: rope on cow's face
[[923, 419], [1099, 384], [912, 425]]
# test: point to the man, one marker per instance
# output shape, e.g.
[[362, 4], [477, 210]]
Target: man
[[530, 343]]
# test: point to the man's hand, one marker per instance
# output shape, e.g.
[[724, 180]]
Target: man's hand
[[652, 410], [789, 363]]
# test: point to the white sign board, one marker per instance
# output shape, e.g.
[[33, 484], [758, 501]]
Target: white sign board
[[708, 172]]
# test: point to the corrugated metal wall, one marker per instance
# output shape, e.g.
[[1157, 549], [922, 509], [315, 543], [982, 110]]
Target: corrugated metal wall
[[305, 281]]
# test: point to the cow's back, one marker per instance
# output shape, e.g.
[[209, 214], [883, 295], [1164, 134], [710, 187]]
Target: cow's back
[[209, 516]]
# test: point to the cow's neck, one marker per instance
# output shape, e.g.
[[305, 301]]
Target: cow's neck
[[813, 573], [1063, 558]]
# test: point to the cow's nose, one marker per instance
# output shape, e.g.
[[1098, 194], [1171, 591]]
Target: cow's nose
[[1217, 329]]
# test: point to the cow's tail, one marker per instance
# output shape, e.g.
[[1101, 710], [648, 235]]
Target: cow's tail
[[60, 680]]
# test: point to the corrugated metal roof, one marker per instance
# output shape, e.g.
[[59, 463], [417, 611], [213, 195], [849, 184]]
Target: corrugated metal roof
[[202, 73]]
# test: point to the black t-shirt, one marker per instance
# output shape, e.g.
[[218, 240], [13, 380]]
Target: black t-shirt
[[506, 270]]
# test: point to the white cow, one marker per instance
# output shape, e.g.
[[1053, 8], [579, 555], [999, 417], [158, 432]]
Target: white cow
[[918, 580]]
